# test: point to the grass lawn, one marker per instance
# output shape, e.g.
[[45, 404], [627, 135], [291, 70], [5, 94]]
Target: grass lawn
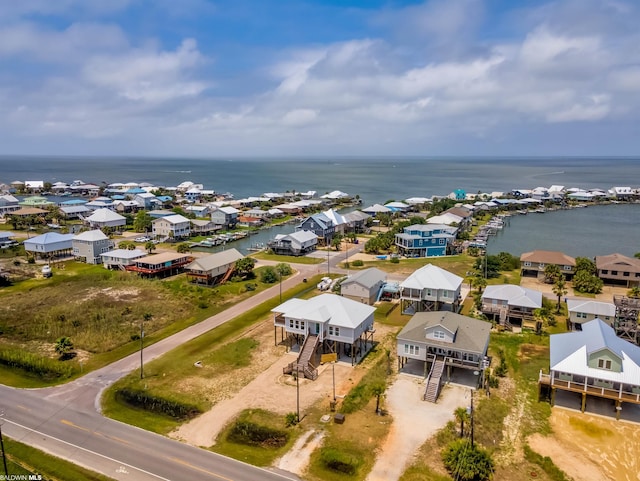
[[25, 460], [101, 312], [459, 264], [262, 454], [287, 259]]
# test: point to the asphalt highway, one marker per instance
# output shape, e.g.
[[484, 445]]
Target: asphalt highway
[[66, 421]]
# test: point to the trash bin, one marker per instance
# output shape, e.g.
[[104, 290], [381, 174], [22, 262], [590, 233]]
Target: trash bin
[[339, 418], [332, 404]]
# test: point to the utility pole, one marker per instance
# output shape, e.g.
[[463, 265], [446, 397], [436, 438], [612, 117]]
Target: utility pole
[[141, 347], [280, 278], [472, 418], [328, 266], [298, 391], [4, 457]]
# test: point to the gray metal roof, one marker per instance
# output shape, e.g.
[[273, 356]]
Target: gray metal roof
[[471, 335], [367, 278], [213, 261], [591, 307], [514, 295], [336, 310], [432, 277]]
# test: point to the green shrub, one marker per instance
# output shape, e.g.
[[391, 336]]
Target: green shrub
[[42, 367], [150, 402], [357, 263], [252, 434], [291, 419], [545, 463], [394, 260], [268, 275], [467, 463], [339, 461]]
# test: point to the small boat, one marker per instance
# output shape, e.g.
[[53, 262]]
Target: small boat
[[382, 258]]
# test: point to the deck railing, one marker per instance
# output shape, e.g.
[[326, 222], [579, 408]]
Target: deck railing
[[585, 387]]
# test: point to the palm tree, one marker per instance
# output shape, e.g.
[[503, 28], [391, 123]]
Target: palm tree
[[479, 283], [551, 272], [150, 247], [378, 390], [559, 289], [63, 347], [634, 292], [461, 415]]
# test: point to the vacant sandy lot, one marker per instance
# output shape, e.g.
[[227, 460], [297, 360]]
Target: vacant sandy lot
[[591, 448]]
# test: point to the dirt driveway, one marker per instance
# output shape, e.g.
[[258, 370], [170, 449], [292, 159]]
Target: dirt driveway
[[414, 421]]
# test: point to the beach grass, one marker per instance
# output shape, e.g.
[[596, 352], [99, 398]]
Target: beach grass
[[101, 312], [288, 259]]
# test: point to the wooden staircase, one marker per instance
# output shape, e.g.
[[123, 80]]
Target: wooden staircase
[[433, 381], [306, 359]]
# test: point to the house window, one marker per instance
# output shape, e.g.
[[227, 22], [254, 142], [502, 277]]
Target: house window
[[581, 315], [527, 263], [614, 273], [541, 265], [567, 268], [445, 294], [291, 323], [604, 363], [411, 349], [605, 271], [438, 334], [429, 293], [441, 242], [334, 331], [625, 274]]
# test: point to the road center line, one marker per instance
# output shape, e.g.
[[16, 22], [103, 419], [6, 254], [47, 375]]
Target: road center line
[[86, 450]]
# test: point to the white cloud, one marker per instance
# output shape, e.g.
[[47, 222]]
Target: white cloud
[[299, 117], [148, 75]]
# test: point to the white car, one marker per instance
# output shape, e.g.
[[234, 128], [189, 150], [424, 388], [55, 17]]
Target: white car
[[142, 239]]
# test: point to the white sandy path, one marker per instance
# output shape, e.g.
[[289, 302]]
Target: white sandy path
[[414, 421], [270, 390], [296, 460]]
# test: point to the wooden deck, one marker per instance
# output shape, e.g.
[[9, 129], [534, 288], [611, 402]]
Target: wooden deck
[[603, 392]]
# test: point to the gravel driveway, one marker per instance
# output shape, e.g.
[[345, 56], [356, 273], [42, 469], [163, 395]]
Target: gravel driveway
[[414, 421]]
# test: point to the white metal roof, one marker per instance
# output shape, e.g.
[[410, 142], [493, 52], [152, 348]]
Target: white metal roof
[[432, 277], [104, 215], [514, 295], [336, 310], [91, 235], [605, 309], [569, 353], [124, 254], [173, 219]]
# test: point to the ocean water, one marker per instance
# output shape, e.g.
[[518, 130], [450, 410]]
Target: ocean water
[[374, 179], [591, 231]]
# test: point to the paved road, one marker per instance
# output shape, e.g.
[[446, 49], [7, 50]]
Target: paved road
[[66, 421]]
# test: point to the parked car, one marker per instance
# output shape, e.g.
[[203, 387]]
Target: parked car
[[142, 239], [324, 284]]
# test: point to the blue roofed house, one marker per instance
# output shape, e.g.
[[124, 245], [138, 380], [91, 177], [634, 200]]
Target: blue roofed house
[[430, 288], [89, 246], [321, 226], [425, 240], [594, 362], [49, 245], [147, 201], [227, 217], [8, 204]]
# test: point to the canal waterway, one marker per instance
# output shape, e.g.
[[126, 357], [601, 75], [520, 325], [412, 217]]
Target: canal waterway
[[583, 232]]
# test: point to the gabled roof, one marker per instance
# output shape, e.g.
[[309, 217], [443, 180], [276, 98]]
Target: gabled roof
[[172, 219], [569, 353], [376, 208], [213, 261], [514, 295], [336, 310], [432, 277], [618, 262], [446, 218], [356, 216], [470, 334], [104, 215], [548, 257], [335, 217], [599, 309], [228, 210], [91, 235], [367, 278]]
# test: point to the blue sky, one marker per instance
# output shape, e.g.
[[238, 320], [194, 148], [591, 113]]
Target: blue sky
[[294, 77]]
